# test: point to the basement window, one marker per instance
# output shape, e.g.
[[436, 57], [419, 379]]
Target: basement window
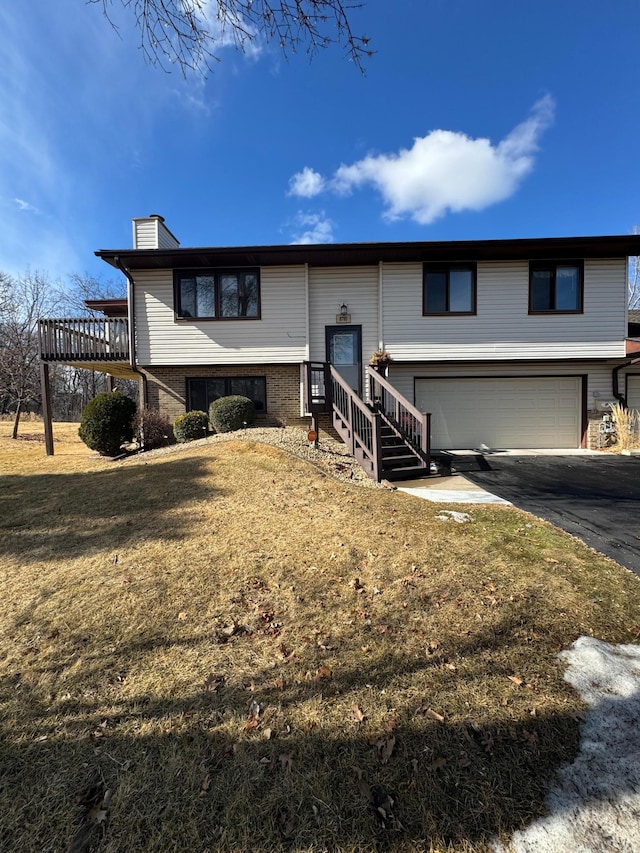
[[201, 392]]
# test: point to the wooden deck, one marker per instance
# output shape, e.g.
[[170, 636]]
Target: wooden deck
[[84, 339]]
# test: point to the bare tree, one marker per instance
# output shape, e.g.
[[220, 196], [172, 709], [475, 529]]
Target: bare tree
[[25, 300], [189, 33]]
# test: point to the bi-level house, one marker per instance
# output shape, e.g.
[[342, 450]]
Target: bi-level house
[[500, 343]]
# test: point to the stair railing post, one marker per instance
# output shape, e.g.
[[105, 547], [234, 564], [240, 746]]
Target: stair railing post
[[351, 428], [376, 446]]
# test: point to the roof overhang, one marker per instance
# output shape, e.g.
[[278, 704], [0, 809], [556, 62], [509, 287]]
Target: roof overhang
[[108, 307], [360, 254]]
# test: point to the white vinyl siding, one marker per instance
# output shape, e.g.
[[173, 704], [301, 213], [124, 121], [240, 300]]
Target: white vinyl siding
[[151, 233], [329, 288], [503, 327], [277, 338], [145, 234], [523, 412]]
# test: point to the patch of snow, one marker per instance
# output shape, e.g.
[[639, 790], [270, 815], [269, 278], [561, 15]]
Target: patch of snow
[[595, 805], [453, 515]]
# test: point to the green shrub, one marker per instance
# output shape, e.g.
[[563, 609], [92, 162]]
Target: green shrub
[[228, 414], [107, 422], [152, 429], [190, 426]]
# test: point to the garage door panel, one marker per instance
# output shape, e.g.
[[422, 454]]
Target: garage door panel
[[514, 412], [633, 392]]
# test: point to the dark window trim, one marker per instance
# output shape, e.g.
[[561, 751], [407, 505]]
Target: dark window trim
[[448, 267], [215, 272], [188, 379], [552, 265]]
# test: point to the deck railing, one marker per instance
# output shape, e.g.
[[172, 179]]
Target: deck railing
[[84, 339], [413, 425], [357, 425]]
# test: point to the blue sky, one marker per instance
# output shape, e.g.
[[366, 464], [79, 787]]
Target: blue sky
[[474, 120]]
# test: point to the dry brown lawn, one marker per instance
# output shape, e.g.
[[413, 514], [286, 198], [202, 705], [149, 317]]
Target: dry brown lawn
[[223, 649]]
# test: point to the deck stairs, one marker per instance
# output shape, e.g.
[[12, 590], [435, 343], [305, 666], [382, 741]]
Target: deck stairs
[[386, 434]]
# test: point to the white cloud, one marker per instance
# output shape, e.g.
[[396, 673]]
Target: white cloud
[[306, 183], [444, 171], [317, 228], [24, 205]]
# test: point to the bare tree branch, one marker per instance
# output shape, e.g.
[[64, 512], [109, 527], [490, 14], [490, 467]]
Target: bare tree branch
[[189, 33]]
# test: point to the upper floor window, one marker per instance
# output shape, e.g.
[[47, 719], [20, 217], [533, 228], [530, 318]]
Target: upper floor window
[[217, 294], [449, 289], [555, 287]]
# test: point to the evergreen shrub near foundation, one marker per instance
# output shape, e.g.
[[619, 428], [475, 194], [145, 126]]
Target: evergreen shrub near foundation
[[227, 414], [190, 426], [107, 422]]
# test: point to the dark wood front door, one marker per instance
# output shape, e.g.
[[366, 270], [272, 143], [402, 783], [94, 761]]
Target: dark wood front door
[[344, 352]]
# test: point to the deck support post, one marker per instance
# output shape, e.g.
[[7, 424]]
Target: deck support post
[[46, 407]]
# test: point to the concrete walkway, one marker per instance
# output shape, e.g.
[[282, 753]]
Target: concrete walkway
[[455, 489]]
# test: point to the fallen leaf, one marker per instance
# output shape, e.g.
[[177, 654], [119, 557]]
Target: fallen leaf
[[206, 784], [385, 748], [438, 764], [213, 683], [323, 672], [97, 815], [516, 680], [358, 714], [182, 616], [286, 762], [434, 715]]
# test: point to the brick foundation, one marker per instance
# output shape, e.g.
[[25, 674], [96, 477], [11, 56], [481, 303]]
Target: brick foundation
[[167, 388]]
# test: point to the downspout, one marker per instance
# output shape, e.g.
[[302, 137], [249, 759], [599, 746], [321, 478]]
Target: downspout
[[131, 313], [615, 381]]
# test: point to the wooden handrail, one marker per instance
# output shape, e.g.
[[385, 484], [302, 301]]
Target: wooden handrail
[[357, 424], [412, 424]]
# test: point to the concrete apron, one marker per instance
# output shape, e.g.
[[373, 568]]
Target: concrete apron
[[462, 491], [458, 490]]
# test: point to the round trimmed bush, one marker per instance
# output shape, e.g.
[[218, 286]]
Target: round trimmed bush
[[107, 422], [190, 426], [227, 414]]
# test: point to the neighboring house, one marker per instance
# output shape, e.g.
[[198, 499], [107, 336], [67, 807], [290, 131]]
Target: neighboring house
[[507, 343]]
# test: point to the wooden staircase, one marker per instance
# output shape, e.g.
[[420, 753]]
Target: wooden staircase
[[386, 434]]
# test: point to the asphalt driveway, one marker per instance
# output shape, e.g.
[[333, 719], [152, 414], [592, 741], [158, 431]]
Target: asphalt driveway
[[596, 498]]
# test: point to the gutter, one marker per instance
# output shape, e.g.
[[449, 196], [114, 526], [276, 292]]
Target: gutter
[[615, 381], [131, 319]]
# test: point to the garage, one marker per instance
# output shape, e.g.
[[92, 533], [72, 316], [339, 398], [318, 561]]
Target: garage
[[509, 413], [633, 392]]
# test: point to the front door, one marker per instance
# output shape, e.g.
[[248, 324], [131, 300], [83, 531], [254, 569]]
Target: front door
[[344, 352]]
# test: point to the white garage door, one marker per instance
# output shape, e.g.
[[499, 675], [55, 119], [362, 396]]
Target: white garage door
[[633, 392], [502, 413]]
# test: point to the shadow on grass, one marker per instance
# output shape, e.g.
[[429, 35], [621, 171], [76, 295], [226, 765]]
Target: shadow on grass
[[188, 772], [200, 781], [70, 515]]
